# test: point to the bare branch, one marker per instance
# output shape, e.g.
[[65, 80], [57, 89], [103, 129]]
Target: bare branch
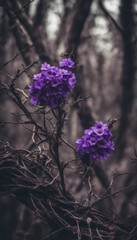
[[40, 46], [13, 58], [21, 36], [21, 178], [107, 14]]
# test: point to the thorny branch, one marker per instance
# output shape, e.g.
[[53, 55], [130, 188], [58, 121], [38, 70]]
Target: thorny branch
[[21, 177]]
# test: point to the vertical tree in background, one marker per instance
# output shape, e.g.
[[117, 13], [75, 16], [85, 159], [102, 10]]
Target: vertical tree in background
[[128, 71]]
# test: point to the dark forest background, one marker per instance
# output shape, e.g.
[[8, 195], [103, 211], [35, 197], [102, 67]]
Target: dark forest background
[[101, 37]]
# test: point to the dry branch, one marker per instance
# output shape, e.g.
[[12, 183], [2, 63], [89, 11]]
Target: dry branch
[[22, 175]]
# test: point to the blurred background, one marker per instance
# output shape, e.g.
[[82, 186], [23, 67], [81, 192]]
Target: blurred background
[[101, 37]]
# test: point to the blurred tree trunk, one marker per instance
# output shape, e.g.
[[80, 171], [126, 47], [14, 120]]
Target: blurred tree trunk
[[128, 73], [79, 16], [128, 83], [4, 34]]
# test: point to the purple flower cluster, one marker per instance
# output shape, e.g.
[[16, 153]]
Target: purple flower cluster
[[96, 142], [52, 84], [67, 63]]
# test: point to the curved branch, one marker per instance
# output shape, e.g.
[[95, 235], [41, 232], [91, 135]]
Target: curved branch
[[20, 176], [111, 18], [36, 35], [22, 38]]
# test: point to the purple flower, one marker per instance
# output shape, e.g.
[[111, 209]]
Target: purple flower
[[96, 142], [52, 84], [67, 63]]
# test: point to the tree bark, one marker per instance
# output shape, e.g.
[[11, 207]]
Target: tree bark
[[128, 74]]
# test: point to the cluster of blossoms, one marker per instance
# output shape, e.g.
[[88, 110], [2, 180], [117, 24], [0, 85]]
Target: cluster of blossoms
[[52, 84], [96, 142]]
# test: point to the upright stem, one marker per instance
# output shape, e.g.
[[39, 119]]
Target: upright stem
[[56, 148]]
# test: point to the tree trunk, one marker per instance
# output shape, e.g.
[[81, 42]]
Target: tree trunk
[[128, 74]]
